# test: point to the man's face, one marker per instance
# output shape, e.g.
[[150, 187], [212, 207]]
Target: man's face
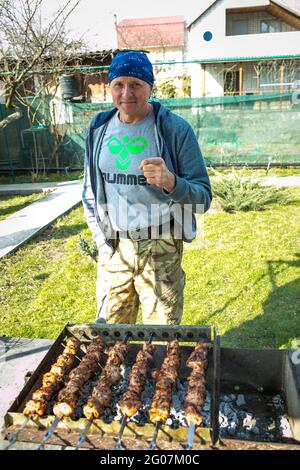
[[130, 95]]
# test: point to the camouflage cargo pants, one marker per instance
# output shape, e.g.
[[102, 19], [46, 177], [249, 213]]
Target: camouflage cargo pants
[[146, 273]]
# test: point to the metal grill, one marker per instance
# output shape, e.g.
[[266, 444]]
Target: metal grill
[[102, 434], [257, 372]]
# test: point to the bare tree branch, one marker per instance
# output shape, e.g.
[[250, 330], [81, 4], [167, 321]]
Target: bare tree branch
[[29, 43], [31, 46], [11, 118]]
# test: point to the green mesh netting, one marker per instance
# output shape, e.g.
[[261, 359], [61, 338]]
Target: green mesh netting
[[232, 129]]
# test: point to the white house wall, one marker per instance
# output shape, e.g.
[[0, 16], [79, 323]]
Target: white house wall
[[214, 79], [195, 71], [171, 71], [233, 47], [221, 46]]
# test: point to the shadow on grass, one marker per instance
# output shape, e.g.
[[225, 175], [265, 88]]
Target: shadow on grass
[[62, 232], [280, 321], [6, 211], [41, 277]]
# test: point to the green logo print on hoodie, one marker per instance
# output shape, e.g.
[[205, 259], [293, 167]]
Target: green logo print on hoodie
[[125, 148]]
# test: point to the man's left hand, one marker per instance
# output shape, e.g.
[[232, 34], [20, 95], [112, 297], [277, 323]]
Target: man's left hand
[[156, 172]]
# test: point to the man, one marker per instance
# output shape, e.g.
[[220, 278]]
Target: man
[[144, 179]]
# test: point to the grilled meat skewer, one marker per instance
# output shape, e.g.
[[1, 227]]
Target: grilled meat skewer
[[131, 400], [52, 381], [196, 391], [70, 394], [101, 395], [165, 382]]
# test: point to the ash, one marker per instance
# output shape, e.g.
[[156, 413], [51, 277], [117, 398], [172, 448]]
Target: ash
[[254, 417], [176, 418]]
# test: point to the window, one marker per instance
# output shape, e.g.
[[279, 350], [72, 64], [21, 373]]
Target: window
[[270, 26], [231, 82], [239, 27]]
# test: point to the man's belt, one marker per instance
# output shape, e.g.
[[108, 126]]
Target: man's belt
[[147, 233]]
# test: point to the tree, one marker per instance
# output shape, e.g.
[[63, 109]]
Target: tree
[[31, 44]]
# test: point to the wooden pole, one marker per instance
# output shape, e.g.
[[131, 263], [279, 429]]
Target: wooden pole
[[281, 77], [241, 79]]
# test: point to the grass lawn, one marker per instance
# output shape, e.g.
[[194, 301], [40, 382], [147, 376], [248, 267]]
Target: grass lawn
[[11, 204], [244, 278], [260, 172], [57, 177], [41, 178]]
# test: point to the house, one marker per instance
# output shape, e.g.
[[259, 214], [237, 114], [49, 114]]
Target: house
[[164, 38], [242, 47], [89, 81]]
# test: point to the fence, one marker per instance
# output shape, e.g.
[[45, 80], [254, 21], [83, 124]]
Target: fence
[[254, 129]]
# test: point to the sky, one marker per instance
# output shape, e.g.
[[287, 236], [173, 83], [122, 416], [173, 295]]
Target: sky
[[94, 21]]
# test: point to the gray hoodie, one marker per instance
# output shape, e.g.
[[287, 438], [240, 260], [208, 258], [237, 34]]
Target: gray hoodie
[[180, 150]]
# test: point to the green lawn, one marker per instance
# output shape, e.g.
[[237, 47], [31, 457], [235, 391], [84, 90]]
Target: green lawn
[[11, 204], [244, 280], [53, 177], [41, 178], [261, 172]]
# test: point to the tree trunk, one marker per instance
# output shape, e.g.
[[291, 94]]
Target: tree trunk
[[11, 118]]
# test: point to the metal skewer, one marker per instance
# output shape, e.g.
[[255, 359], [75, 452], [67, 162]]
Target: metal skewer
[[158, 424], [191, 436], [118, 445], [49, 433], [79, 359], [154, 439], [83, 435], [13, 438]]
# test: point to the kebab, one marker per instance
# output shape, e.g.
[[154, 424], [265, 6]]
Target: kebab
[[69, 396], [101, 396], [196, 390], [131, 401], [165, 382], [52, 381]]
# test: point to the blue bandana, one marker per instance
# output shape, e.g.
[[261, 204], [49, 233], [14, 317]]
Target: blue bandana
[[131, 64]]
